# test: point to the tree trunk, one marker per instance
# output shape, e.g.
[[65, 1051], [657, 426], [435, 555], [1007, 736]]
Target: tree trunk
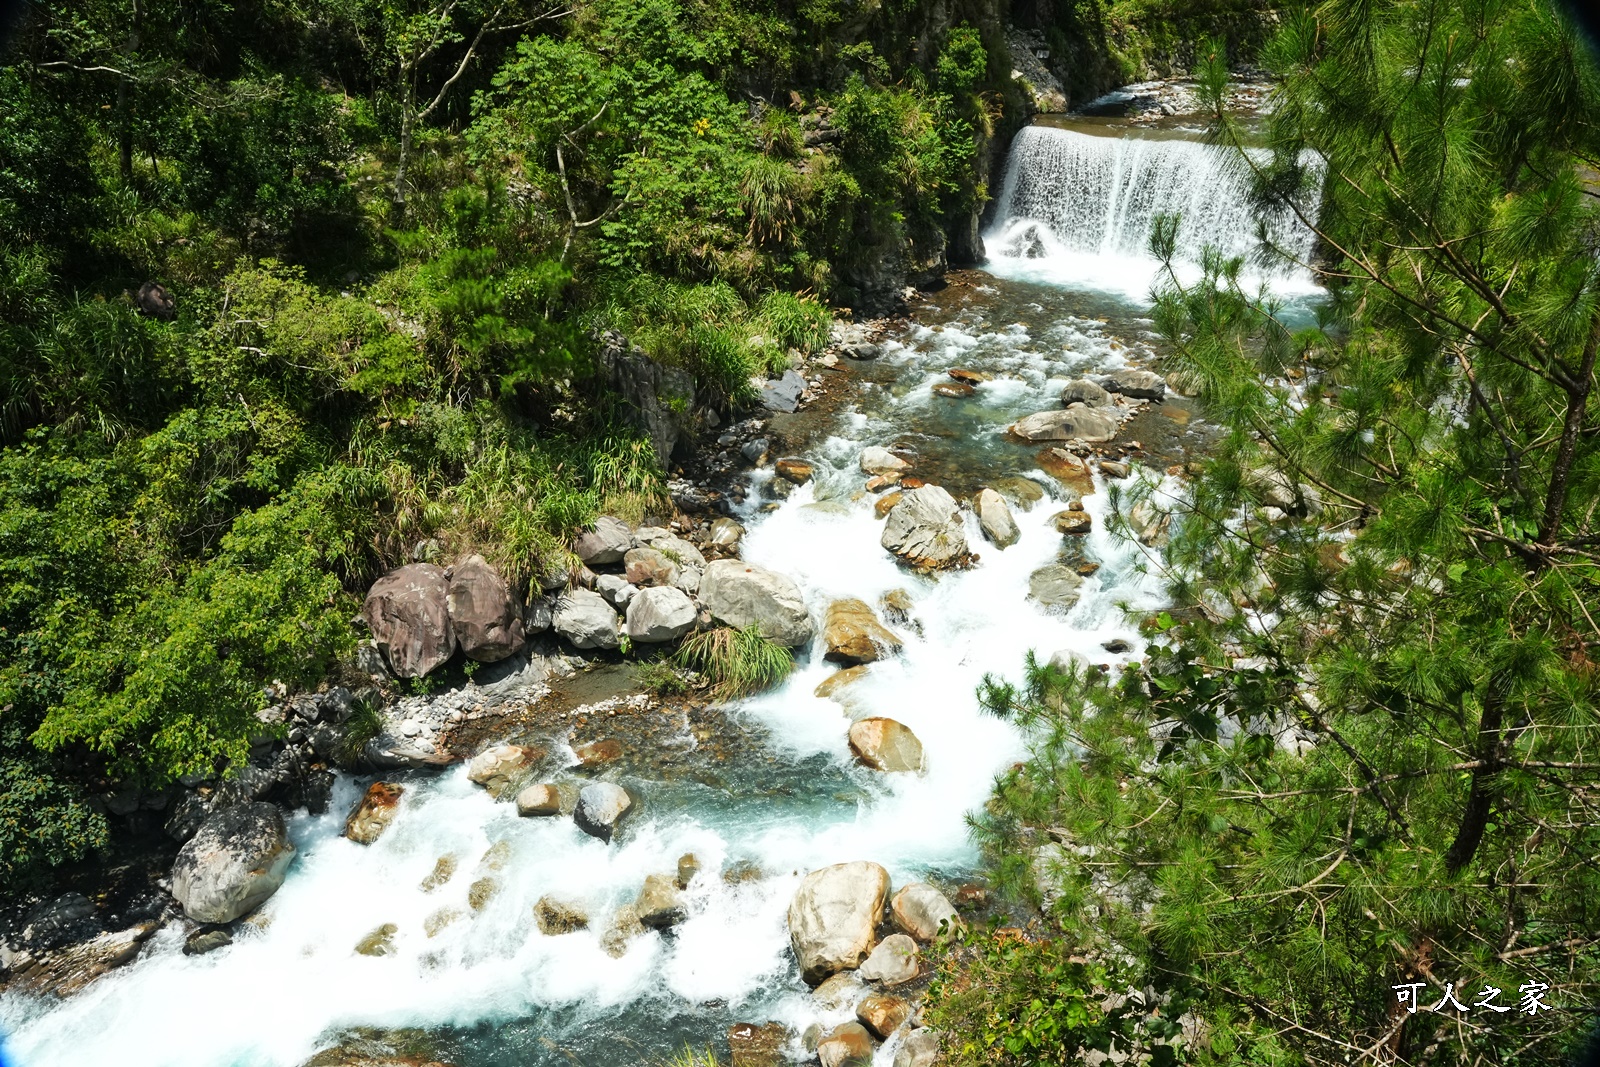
[[407, 125], [1481, 798], [1555, 501]]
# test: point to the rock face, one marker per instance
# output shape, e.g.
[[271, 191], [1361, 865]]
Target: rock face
[[487, 621], [885, 745], [1076, 422], [604, 544], [1055, 585], [660, 614], [1083, 391], [236, 860], [848, 1045], [584, 618], [925, 529], [502, 768], [878, 460], [373, 814], [834, 916], [1139, 384], [995, 518], [883, 1014], [659, 399], [854, 635], [408, 611], [660, 902], [69, 971], [920, 909], [740, 594], [601, 807], [894, 962]]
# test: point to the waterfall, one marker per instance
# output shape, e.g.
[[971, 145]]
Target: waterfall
[[1079, 209]]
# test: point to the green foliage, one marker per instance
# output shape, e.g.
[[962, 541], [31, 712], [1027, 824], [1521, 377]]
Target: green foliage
[[738, 662]]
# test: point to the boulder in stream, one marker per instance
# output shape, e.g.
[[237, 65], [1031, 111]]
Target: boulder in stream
[[660, 614], [994, 517], [556, 917], [660, 903], [584, 618], [847, 1045], [834, 917], [876, 459], [883, 1014], [539, 800], [601, 806], [234, 862], [925, 529], [1139, 384], [1072, 523], [501, 768], [408, 611], [1055, 585], [885, 745], [921, 911], [374, 812], [740, 594], [1074, 423], [486, 619], [894, 962], [853, 634], [1083, 391]]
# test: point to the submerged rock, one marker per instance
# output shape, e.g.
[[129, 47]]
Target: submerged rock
[[408, 611], [70, 970], [625, 926], [834, 917], [378, 943], [885, 745], [487, 621], [995, 519], [740, 594], [585, 619], [373, 812], [236, 860], [953, 390], [601, 806], [203, 941], [925, 529], [757, 1045], [1055, 585], [921, 910], [894, 962], [556, 917], [853, 635]]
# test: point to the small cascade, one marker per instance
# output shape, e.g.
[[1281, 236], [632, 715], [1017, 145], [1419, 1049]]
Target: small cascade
[[1079, 209]]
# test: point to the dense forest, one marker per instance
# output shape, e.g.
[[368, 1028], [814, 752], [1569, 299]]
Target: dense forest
[[294, 293]]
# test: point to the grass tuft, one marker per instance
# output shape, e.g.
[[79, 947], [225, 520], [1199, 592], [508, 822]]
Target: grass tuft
[[738, 662]]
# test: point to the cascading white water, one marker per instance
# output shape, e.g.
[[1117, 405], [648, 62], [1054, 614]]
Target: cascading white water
[[1079, 209]]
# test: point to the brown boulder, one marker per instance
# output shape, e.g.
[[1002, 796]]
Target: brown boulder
[[1068, 469], [408, 611], [794, 470], [971, 377], [373, 814], [486, 619], [750, 1045], [848, 1045], [953, 390], [539, 800], [598, 753], [1071, 523], [502, 768], [886, 503], [886, 745], [556, 917], [883, 1014], [854, 635]]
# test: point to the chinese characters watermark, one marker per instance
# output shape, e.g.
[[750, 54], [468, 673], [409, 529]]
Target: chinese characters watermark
[[1531, 1002]]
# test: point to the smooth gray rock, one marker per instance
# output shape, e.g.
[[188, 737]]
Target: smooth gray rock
[[1083, 391], [584, 618], [616, 589], [920, 910], [925, 529], [894, 962], [236, 860], [1055, 585], [740, 594], [920, 1049], [1073, 423], [669, 544], [658, 614], [783, 394], [1139, 384], [994, 517], [726, 533], [601, 806], [408, 611], [605, 542], [486, 620], [878, 460], [834, 916]]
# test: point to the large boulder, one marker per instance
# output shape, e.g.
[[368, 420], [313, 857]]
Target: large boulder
[[883, 1014], [583, 617], [1083, 391], [604, 543], [921, 910], [740, 594], [539, 800], [1139, 384], [601, 806], [925, 529], [486, 619], [683, 553], [501, 769], [782, 394], [1055, 585], [408, 611], [885, 745], [854, 635], [834, 916], [660, 614], [1074, 423], [648, 566], [848, 1045], [894, 962], [876, 459], [995, 518], [373, 812], [236, 860]]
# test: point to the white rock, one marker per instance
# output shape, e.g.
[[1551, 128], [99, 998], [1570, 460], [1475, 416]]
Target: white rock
[[925, 529], [658, 614], [995, 518], [740, 594], [920, 909], [584, 618], [834, 916], [878, 460]]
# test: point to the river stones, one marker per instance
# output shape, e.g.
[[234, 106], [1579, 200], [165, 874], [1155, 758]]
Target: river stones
[[669, 544], [660, 903], [920, 910], [853, 635], [1072, 523], [616, 590], [970, 377], [1021, 493], [539, 801], [556, 917], [1149, 523], [596, 754], [501, 768], [486, 619], [233, 863], [660, 614], [995, 519], [443, 871], [1083, 391], [740, 595], [845, 1046], [925, 529], [885, 745], [920, 1049], [1113, 468], [1074, 423], [408, 612], [783, 394], [894, 962], [373, 812], [203, 941], [688, 867], [876, 459], [1067, 661], [793, 470], [601, 806], [1055, 585], [1139, 384], [604, 543], [838, 992], [584, 618], [624, 927], [886, 503], [1070, 470], [883, 1014], [834, 916]]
